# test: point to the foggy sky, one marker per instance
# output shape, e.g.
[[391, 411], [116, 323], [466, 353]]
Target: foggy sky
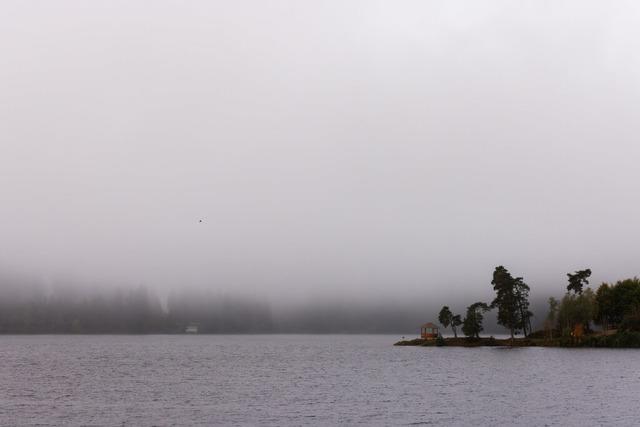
[[378, 149]]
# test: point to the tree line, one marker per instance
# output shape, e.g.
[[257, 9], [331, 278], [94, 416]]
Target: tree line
[[132, 311], [611, 307], [66, 306], [511, 301]]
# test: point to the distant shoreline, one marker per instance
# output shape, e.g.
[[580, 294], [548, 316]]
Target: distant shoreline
[[623, 339], [467, 342], [27, 334]]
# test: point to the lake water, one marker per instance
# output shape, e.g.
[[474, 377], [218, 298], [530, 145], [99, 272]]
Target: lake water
[[286, 380]]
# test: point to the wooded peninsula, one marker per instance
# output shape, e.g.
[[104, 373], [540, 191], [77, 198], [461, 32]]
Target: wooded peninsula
[[608, 317]]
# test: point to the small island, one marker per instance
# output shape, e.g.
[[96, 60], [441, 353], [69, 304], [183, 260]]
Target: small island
[[608, 317]]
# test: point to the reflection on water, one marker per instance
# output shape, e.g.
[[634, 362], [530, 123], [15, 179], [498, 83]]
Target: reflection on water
[[305, 379]]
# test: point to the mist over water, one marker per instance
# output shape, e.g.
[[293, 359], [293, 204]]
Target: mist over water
[[322, 163], [227, 212], [33, 307]]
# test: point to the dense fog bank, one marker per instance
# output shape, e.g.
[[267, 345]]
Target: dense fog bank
[[30, 307], [27, 308]]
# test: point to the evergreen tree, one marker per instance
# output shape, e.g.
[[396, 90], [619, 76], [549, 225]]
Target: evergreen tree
[[456, 321], [521, 290], [578, 280], [512, 301], [472, 324], [508, 311], [445, 316]]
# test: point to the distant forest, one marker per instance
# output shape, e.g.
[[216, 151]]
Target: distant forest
[[30, 308], [132, 311]]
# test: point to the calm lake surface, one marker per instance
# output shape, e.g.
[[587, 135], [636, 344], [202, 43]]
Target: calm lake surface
[[308, 380]]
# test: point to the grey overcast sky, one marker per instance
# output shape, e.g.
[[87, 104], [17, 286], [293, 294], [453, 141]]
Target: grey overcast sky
[[338, 147]]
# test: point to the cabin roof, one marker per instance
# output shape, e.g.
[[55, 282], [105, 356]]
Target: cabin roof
[[429, 325]]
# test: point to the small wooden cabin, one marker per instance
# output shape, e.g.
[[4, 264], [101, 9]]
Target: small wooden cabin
[[429, 331]]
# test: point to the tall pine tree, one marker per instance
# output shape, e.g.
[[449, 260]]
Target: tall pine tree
[[512, 301]]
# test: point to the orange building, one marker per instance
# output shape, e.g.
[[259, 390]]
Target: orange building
[[429, 331]]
